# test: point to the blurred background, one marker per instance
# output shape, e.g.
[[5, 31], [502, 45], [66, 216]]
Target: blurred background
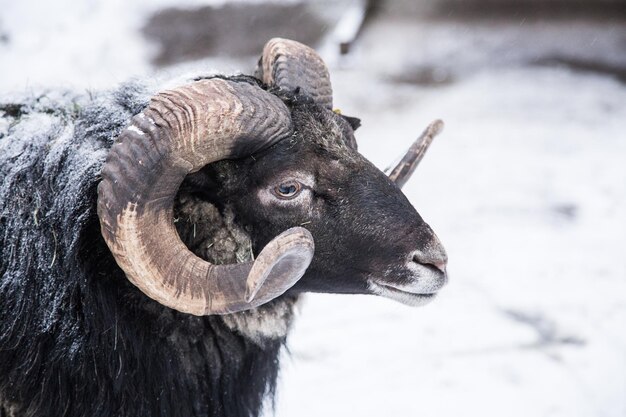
[[526, 187]]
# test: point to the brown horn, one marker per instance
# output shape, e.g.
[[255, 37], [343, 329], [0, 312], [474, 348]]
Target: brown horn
[[179, 132], [289, 64], [405, 168]]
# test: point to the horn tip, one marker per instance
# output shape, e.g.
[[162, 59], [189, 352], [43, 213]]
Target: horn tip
[[436, 127]]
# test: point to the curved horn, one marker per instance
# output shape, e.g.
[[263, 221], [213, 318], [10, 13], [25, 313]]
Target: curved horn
[[405, 168], [179, 132], [289, 64]]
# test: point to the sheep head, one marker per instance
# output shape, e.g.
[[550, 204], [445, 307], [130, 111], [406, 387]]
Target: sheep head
[[321, 217]]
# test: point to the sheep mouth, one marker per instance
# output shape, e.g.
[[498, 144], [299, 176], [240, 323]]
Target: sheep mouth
[[405, 297]]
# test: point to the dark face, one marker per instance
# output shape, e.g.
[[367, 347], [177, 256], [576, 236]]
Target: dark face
[[368, 237]]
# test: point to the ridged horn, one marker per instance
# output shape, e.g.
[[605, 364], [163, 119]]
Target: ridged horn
[[179, 132], [405, 168], [289, 64]]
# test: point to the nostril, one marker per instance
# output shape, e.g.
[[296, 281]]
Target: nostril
[[441, 265], [439, 261]]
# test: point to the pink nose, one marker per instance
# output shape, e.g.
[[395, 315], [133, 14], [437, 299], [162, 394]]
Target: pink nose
[[441, 265], [434, 254], [436, 260]]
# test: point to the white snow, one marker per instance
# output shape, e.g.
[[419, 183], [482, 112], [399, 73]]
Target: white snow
[[526, 188]]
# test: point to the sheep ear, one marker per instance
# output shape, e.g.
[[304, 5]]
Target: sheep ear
[[354, 122], [348, 125]]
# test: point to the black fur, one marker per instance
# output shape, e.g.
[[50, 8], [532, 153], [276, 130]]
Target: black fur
[[76, 338]]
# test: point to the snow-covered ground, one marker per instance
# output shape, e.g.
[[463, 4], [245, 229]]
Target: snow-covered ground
[[526, 188]]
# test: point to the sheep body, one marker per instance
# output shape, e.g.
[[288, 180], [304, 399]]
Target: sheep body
[[76, 338]]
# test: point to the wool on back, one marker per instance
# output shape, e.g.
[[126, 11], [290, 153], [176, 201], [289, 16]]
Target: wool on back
[[76, 338]]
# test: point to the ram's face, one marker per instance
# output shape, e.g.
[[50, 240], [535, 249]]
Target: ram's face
[[321, 217], [368, 237]]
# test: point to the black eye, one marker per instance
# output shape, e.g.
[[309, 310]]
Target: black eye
[[288, 190]]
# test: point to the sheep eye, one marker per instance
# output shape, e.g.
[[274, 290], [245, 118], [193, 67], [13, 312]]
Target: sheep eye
[[288, 190]]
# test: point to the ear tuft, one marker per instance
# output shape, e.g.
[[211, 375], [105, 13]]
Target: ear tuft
[[354, 122]]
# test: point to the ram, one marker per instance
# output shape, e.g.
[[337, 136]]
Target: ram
[[155, 239]]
